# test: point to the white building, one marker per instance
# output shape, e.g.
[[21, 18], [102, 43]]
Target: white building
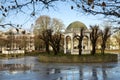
[[18, 41], [71, 43]]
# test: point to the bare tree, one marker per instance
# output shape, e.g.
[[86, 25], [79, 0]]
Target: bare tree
[[54, 41], [45, 38], [94, 35], [106, 7], [105, 34], [39, 44], [43, 25], [56, 38], [80, 38]]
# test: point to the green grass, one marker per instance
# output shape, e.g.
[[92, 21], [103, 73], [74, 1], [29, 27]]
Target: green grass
[[67, 58], [109, 51]]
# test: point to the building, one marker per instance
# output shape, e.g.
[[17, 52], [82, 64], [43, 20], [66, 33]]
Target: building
[[17, 41], [71, 43], [20, 41]]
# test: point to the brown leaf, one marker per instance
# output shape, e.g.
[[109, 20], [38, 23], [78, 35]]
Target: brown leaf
[[90, 2], [103, 4]]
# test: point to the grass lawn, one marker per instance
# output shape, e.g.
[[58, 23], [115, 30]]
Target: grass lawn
[[86, 58]]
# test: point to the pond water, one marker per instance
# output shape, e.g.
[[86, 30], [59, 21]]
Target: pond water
[[28, 68]]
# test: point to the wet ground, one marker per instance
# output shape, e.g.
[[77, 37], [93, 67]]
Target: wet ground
[[28, 68]]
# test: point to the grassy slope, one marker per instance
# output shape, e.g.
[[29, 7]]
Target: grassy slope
[[78, 59]]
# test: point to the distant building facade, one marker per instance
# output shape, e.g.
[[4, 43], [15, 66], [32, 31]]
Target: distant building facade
[[17, 41], [21, 41]]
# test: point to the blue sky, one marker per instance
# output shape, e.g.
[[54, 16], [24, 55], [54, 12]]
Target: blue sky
[[60, 11]]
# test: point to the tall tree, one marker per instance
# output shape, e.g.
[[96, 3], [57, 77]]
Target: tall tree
[[54, 41], [105, 34], [94, 35], [80, 38], [39, 44], [45, 38], [42, 24], [45, 24]]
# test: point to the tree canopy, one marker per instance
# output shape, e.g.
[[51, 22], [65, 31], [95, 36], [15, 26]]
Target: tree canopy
[[108, 8], [49, 30]]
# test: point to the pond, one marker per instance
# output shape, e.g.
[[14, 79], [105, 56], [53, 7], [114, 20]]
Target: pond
[[28, 68]]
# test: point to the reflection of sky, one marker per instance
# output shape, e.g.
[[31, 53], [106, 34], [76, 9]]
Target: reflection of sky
[[61, 11], [60, 71]]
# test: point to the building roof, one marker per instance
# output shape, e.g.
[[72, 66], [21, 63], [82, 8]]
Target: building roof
[[75, 26]]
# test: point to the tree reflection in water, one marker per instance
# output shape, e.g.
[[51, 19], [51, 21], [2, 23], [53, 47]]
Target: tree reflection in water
[[104, 73], [94, 74], [81, 73], [14, 67], [31, 69]]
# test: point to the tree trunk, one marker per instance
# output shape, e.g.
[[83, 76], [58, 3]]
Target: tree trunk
[[93, 49], [80, 47], [47, 48], [55, 51], [103, 49], [80, 50], [58, 48]]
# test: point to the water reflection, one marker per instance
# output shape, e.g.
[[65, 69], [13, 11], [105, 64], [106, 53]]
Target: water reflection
[[81, 73], [94, 74], [29, 68], [91, 72], [104, 73], [14, 68]]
